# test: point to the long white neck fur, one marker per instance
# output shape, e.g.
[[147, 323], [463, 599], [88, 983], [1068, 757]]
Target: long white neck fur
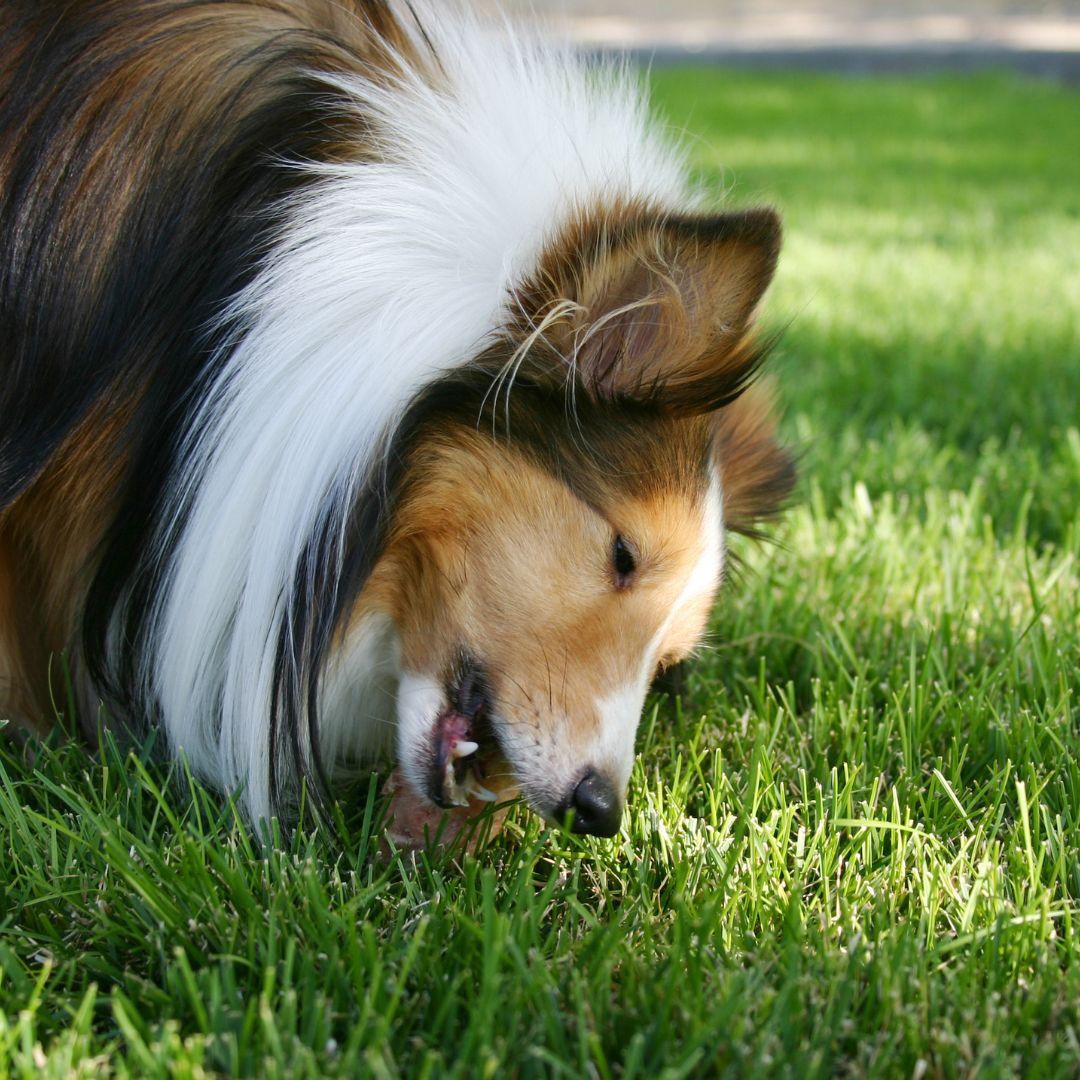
[[390, 272]]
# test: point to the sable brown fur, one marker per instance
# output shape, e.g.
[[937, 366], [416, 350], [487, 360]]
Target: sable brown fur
[[48, 541], [757, 474]]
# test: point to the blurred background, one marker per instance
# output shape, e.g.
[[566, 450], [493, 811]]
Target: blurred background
[[852, 34]]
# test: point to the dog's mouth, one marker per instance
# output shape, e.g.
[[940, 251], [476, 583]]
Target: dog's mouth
[[465, 751]]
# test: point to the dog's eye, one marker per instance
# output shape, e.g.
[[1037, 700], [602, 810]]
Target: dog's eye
[[622, 556]]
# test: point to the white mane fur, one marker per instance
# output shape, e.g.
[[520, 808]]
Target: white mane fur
[[388, 274]]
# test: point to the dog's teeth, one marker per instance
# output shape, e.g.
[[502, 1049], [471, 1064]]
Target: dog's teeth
[[455, 794], [478, 791], [464, 748]]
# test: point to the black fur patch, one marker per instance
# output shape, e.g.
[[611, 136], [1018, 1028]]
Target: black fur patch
[[112, 297]]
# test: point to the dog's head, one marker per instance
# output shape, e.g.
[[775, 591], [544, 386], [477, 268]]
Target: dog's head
[[559, 538]]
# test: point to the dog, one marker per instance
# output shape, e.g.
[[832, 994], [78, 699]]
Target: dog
[[374, 381]]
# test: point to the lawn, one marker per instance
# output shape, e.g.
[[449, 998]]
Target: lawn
[[853, 844]]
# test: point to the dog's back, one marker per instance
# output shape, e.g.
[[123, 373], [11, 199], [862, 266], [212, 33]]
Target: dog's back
[[140, 145], [141, 178]]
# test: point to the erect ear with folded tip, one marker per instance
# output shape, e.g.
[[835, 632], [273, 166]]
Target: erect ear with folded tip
[[658, 309]]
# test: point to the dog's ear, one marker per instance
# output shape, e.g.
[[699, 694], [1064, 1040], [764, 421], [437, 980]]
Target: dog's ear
[[757, 473], [657, 309]]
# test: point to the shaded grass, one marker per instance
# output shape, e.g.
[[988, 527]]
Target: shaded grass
[[853, 844]]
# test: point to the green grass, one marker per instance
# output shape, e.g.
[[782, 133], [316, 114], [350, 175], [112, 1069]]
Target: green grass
[[854, 847]]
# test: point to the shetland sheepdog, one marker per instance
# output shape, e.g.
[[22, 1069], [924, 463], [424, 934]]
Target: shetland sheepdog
[[373, 379]]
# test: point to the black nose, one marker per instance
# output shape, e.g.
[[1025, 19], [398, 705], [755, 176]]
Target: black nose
[[596, 806]]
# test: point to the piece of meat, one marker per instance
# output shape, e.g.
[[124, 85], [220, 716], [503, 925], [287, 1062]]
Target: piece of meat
[[413, 823]]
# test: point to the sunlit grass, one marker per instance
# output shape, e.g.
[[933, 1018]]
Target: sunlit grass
[[853, 845]]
